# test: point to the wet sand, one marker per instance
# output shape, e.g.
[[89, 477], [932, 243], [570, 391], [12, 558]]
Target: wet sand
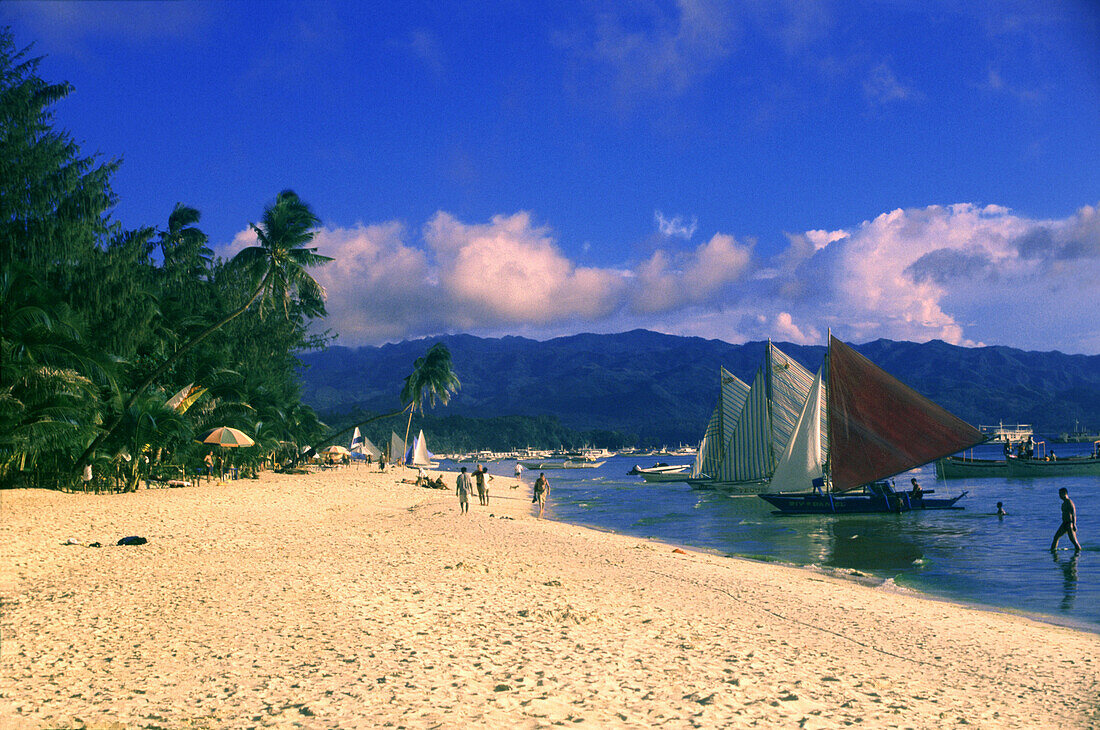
[[346, 599]]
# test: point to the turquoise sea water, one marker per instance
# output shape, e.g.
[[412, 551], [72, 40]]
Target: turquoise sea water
[[969, 555]]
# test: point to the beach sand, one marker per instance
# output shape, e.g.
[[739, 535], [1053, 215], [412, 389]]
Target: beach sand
[[344, 599]]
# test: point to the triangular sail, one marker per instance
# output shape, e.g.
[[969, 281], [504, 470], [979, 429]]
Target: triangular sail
[[709, 455], [878, 426], [418, 454], [801, 462], [363, 446], [397, 447], [734, 393], [789, 388], [720, 428], [749, 452]]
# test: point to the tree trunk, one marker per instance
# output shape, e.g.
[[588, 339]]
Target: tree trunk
[[333, 434]]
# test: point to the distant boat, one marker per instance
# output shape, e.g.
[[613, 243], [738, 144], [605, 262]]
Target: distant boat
[[666, 476], [567, 464], [877, 427], [959, 467], [1002, 434], [418, 454], [662, 472], [658, 468]]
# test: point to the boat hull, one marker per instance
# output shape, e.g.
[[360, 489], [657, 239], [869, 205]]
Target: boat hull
[[666, 476], [544, 465], [1037, 468], [814, 503], [958, 467], [954, 467], [755, 487]]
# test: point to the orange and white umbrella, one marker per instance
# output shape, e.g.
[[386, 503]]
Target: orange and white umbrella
[[225, 436]]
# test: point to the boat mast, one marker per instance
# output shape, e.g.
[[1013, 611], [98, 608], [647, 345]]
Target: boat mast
[[827, 469], [772, 458]]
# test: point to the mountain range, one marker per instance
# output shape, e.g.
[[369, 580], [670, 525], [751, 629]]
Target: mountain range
[[662, 388]]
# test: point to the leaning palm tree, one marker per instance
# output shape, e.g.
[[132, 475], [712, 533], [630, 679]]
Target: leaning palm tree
[[279, 263], [433, 378]]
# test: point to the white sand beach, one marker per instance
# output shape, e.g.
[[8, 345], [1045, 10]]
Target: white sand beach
[[345, 599]]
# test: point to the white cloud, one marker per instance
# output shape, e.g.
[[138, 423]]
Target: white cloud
[[962, 273], [675, 226]]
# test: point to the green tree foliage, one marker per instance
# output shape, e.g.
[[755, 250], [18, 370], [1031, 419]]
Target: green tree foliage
[[53, 203], [102, 325]]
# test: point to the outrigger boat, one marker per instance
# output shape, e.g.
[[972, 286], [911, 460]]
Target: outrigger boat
[[878, 427], [959, 467], [544, 465]]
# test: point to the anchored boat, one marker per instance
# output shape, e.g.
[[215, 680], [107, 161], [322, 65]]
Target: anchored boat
[[877, 427]]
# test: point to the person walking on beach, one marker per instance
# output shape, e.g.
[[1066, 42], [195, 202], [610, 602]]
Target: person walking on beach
[[1069, 522], [482, 488], [542, 488], [209, 461], [464, 486]]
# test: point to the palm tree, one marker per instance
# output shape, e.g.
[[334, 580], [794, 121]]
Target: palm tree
[[49, 380], [183, 246], [433, 378], [280, 263]]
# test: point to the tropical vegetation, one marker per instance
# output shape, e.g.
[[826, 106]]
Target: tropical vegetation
[[118, 347]]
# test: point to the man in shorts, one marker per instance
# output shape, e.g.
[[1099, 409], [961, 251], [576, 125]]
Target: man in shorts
[[1069, 522], [542, 488]]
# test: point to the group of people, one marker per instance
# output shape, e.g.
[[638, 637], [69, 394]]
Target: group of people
[[464, 486]]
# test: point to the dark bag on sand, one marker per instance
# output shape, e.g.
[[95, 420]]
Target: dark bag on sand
[[132, 540]]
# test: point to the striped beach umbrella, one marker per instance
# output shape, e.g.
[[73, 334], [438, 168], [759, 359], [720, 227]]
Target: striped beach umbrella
[[225, 436]]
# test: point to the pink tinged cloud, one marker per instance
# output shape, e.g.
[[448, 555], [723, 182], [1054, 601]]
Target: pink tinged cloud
[[963, 273], [661, 285], [509, 270]]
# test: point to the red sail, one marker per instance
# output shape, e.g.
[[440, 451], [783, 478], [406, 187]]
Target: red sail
[[878, 426]]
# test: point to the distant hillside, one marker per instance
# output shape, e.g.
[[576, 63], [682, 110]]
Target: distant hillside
[[662, 387]]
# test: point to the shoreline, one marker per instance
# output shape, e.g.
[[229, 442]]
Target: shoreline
[[346, 598], [859, 578]]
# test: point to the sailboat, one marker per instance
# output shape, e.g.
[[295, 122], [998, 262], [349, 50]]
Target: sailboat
[[877, 427], [752, 426], [397, 448], [362, 447], [418, 454]]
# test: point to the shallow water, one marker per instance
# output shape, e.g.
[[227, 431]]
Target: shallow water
[[969, 555]]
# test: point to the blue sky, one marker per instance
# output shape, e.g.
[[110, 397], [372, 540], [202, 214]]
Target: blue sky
[[734, 170]]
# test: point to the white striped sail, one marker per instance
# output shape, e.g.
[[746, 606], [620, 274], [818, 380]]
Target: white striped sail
[[748, 454], [802, 460]]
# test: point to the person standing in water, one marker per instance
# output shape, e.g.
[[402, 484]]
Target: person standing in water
[[542, 488], [1069, 522]]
